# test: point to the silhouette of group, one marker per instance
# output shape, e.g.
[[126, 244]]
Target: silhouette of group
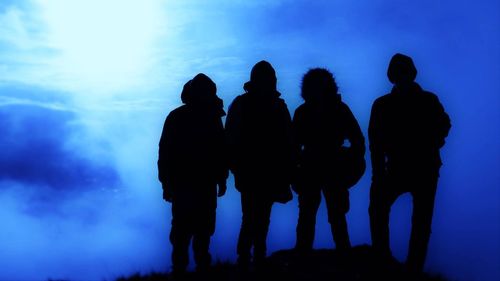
[[320, 151]]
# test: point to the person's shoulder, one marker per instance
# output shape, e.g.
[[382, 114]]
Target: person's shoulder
[[431, 101], [278, 100], [344, 107], [345, 110], [281, 102], [178, 112], [301, 108], [240, 99], [236, 103], [385, 97], [281, 106], [430, 96], [382, 100], [300, 111]]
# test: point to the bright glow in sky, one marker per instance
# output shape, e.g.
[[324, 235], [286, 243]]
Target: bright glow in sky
[[97, 46], [108, 45], [85, 86]]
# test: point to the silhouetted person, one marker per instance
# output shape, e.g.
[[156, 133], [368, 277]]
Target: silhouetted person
[[321, 127], [191, 164], [258, 128], [407, 128]]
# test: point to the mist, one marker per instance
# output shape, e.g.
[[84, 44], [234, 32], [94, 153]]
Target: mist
[[85, 88]]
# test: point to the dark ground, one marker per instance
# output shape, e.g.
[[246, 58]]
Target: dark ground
[[359, 263]]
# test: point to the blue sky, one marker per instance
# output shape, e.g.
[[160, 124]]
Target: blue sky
[[85, 87]]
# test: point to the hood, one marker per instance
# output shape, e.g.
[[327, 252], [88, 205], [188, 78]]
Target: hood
[[200, 92], [401, 69], [262, 80]]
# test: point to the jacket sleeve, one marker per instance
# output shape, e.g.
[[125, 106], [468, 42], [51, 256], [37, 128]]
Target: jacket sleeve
[[376, 139], [165, 150], [297, 134], [290, 149], [288, 129], [233, 134], [223, 156], [354, 134], [443, 123]]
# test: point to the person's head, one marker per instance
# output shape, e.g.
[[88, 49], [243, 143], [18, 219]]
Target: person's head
[[262, 78], [401, 70], [200, 89], [317, 84]]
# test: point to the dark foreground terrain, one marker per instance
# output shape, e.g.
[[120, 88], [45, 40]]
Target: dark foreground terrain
[[358, 264]]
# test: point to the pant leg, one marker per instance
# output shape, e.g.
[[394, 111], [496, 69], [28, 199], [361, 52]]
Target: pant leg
[[180, 237], [423, 208], [205, 228], [337, 203], [263, 207], [309, 201], [201, 245], [382, 196], [246, 236]]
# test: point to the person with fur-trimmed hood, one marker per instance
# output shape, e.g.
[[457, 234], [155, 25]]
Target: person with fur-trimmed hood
[[407, 128], [258, 129], [191, 164], [331, 150]]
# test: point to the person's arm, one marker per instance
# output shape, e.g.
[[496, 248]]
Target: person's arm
[[222, 172], [289, 134], [443, 123], [376, 138], [354, 134], [298, 142], [297, 134], [232, 133], [164, 158]]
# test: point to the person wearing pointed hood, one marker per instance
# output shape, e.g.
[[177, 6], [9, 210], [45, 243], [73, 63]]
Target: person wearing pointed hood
[[326, 165], [191, 164], [407, 128], [259, 137]]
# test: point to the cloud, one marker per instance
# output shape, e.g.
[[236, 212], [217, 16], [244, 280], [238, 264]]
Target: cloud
[[121, 66], [40, 147]]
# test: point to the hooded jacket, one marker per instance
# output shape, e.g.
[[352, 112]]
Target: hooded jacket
[[321, 130], [259, 136], [192, 149], [407, 128]]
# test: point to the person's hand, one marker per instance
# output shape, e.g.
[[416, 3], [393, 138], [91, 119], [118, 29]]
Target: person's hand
[[222, 189], [167, 194]]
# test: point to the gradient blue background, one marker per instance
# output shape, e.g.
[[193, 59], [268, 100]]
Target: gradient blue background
[[85, 87]]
